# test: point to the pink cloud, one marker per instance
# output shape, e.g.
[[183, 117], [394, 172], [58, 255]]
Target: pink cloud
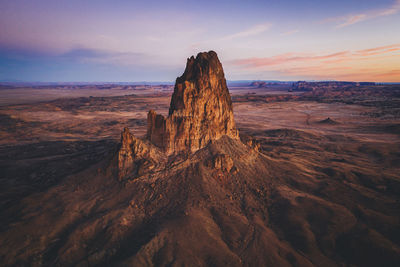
[[252, 31], [302, 58], [287, 58], [378, 62], [379, 50], [351, 19]]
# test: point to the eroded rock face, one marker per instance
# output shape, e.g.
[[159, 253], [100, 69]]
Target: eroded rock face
[[200, 109], [251, 142], [135, 156], [222, 162]]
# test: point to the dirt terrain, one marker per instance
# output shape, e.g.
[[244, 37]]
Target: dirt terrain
[[324, 190]]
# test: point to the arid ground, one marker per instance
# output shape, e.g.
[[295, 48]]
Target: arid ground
[[346, 146]]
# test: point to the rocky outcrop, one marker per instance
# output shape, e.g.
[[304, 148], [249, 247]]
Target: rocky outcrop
[[221, 162], [200, 109], [135, 156], [251, 142]]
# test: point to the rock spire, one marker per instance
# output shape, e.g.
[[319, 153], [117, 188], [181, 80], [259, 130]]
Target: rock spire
[[200, 109]]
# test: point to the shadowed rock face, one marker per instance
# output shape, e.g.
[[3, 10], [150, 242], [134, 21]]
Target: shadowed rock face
[[200, 110], [135, 155]]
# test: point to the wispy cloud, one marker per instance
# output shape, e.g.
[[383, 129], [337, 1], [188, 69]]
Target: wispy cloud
[[378, 50], [376, 63], [287, 58], [289, 32], [350, 19], [304, 58], [81, 55], [99, 56], [252, 31]]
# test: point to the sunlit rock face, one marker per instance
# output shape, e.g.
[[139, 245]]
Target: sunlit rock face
[[200, 109], [200, 112]]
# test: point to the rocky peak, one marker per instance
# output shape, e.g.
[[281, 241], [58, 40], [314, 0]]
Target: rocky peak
[[202, 78], [200, 112], [200, 109]]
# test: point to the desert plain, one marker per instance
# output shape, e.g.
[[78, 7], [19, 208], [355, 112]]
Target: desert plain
[[344, 142]]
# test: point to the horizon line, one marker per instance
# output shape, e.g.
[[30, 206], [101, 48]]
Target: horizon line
[[173, 82]]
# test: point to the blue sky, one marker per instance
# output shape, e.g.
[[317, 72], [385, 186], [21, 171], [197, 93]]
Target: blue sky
[[150, 40]]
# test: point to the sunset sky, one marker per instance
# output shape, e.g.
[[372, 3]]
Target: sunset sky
[[121, 40]]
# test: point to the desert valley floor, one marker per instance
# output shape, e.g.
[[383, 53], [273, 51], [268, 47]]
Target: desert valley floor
[[343, 208]]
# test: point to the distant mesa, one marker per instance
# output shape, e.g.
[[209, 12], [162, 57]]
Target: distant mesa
[[258, 84], [303, 86]]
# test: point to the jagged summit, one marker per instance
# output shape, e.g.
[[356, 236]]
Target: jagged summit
[[200, 112], [203, 74], [200, 109]]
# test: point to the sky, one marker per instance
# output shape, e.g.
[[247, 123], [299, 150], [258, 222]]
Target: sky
[[132, 41]]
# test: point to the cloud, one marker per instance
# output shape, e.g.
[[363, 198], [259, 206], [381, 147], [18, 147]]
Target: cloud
[[351, 19], [289, 32], [252, 31], [287, 58], [98, 56], [222, 41], [395, 8], [304, 58], [86, 53], [376, 63], [80, 55], [378, 50]]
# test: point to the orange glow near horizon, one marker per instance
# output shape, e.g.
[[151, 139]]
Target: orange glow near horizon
[[376, 64]]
